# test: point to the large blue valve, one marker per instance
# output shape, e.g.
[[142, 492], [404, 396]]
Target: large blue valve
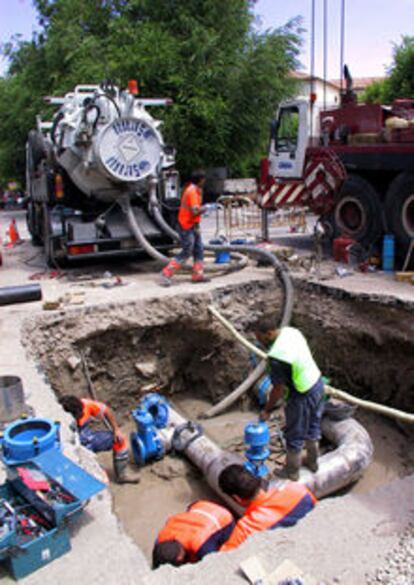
[[150, 416]]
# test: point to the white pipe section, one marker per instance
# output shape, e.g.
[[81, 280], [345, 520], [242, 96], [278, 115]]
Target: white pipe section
[[337, 469], [342, 466]]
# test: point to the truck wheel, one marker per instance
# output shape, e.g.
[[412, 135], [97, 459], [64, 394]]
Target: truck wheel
[[47, 238], [358, 211], [32, 225], [37, 148], [399, 207]]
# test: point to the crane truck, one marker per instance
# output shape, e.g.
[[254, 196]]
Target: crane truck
[[352, 165], [101, 151]]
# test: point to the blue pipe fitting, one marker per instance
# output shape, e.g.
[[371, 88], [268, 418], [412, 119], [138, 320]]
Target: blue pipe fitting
[[158, 408], [151, 415], [27, 438], [257, 438]]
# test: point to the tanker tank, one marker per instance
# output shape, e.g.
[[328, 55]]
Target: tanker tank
[[101, 148]]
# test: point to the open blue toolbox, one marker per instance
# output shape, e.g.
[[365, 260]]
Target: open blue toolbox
[[37, 501]]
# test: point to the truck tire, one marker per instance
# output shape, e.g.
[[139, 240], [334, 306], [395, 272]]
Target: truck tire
[[37, 150], [48, 243], [32, 224], [358, 211], [399, 207]]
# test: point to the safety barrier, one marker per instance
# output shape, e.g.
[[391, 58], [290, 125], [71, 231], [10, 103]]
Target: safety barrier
[[239, 215]]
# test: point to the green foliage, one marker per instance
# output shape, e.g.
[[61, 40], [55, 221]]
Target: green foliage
[[375, 93], [400, 82], [224, 77]]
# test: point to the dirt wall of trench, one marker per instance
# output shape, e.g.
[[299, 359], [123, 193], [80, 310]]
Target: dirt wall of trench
[[364, 344]]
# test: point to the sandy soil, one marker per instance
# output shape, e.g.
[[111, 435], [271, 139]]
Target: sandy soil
[[168, 486]]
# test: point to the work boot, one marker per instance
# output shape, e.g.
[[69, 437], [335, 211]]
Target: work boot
[[312, 454], [292, 466], [168, 272], [198, 273], [122, 475]]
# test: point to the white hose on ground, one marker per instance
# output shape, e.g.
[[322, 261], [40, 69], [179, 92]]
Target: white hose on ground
[[329, 390]]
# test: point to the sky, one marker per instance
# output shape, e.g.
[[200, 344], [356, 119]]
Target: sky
[[372, 26]]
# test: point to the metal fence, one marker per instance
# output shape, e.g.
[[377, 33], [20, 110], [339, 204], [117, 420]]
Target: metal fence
[[239, 216]]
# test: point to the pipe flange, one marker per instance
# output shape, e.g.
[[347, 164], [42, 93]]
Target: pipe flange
[[177, 442]]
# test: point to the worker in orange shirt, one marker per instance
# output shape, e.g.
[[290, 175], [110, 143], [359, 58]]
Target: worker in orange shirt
[[265, 509], [189, 218], [190, 536], [85, 411]]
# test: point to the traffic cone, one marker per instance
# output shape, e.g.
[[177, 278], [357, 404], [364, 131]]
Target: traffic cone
[[13, 233]]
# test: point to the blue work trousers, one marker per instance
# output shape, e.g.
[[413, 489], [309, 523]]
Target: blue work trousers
[[96, 441], [303, 416], [191, 244]]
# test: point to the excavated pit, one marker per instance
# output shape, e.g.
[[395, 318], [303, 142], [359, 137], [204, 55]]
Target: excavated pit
[[172, 345]]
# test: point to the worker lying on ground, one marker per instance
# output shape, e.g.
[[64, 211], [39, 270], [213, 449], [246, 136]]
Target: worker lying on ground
[[188, 537], [85, 411], [189, 218], [264, 508], [294, 375]]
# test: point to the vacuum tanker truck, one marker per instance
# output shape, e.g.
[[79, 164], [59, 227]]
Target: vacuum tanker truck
[[101, 153]]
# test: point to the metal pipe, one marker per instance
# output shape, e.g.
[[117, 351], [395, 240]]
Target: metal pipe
[[20, 294], [337, 469], [208, 457], [312, 68], [343, 466], [342, 35], [325, 49]]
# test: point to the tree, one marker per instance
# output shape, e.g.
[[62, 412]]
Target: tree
[[401, 79], [400, 82], [225, 78]]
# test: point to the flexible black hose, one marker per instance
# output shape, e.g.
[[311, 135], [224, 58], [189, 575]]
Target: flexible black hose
[[56, 121], [241, 261], [281, 274]]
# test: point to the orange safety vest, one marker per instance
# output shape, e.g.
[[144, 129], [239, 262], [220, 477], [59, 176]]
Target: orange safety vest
[[192, 529], [191, 198], [91, 409], [272, 509]]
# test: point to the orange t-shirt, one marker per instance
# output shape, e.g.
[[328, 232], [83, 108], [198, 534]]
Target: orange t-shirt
[[91, 409], [190, 198]]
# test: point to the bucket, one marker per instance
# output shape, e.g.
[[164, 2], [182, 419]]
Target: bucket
[[388, 253], [223, 256], [12, 404]]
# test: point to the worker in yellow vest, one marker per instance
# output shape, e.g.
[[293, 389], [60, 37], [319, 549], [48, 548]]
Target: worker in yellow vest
[[296, 377]]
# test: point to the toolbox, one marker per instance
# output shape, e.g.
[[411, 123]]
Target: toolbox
[[37, 501]]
